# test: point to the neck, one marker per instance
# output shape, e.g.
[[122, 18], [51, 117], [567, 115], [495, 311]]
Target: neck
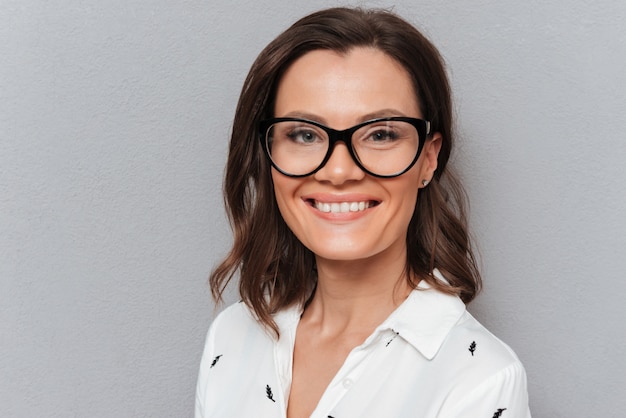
[[356, 296]]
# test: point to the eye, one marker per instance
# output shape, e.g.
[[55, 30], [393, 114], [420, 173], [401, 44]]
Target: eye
[[380, 135], [303, 135]]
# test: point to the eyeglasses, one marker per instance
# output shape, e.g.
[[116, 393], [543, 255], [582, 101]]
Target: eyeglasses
[[384, 147]]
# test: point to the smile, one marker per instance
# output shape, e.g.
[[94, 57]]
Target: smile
[[343, 207]]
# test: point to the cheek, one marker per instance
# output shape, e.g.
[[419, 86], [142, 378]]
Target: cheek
[[408, 205], [407, 190], [284, 191], [279, 191]]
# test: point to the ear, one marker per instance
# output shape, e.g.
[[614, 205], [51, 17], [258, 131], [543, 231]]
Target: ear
[[430, 152]]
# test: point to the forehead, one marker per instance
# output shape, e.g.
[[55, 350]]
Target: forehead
[[342, 87]]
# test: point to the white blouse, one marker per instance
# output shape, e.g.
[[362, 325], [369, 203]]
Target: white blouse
[[430, 358]]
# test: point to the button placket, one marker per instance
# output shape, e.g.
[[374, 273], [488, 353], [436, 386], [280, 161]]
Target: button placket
[[348, 376], [283, 357]]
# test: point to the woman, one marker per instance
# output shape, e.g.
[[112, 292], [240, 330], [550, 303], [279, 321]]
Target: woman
[[349, 239]]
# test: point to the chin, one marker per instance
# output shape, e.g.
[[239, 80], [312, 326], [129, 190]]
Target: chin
[[344, 252]]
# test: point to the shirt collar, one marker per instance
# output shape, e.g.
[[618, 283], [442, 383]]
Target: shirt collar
[[288, 317], [425, 318]]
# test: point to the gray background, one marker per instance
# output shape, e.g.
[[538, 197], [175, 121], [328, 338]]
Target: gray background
[[114, 117]]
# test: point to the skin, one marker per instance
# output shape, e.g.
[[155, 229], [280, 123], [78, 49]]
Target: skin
[[360, 255]]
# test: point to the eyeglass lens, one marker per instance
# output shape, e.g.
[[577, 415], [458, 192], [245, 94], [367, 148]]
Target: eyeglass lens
[[382, 147]]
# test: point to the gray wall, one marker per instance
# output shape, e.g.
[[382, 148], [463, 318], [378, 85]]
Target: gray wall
[[113, 124]]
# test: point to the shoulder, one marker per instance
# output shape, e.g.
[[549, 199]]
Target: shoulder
[[454, 333], [476, 366], [457, 347], [482, 346], [236, 314], [237, 347], [485, 372], [234, 324], [472, 354]]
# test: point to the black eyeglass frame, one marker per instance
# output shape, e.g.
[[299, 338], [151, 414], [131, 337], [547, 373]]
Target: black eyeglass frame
[[422, 126]]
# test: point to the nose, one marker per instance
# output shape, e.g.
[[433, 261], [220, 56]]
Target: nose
[[340, 167]]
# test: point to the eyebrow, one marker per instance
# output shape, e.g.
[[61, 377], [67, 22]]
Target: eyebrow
[[305, 115], [382, 113]]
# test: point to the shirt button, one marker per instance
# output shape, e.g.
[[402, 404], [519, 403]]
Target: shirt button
[[347, 383]]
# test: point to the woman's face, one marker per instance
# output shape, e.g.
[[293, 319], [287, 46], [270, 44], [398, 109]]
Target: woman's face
[[341, 91]]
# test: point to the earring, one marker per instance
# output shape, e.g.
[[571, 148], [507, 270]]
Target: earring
[[424, 182]]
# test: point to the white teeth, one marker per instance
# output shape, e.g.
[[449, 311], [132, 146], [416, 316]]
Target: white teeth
[[343, 207]]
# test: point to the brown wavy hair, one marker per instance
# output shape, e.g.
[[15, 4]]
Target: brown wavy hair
[[275, 269]]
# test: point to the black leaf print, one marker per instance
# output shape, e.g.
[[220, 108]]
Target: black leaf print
[[268, 392], [392, 338], [472, 348], [215, 360], [330, 416], [499, 412]]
